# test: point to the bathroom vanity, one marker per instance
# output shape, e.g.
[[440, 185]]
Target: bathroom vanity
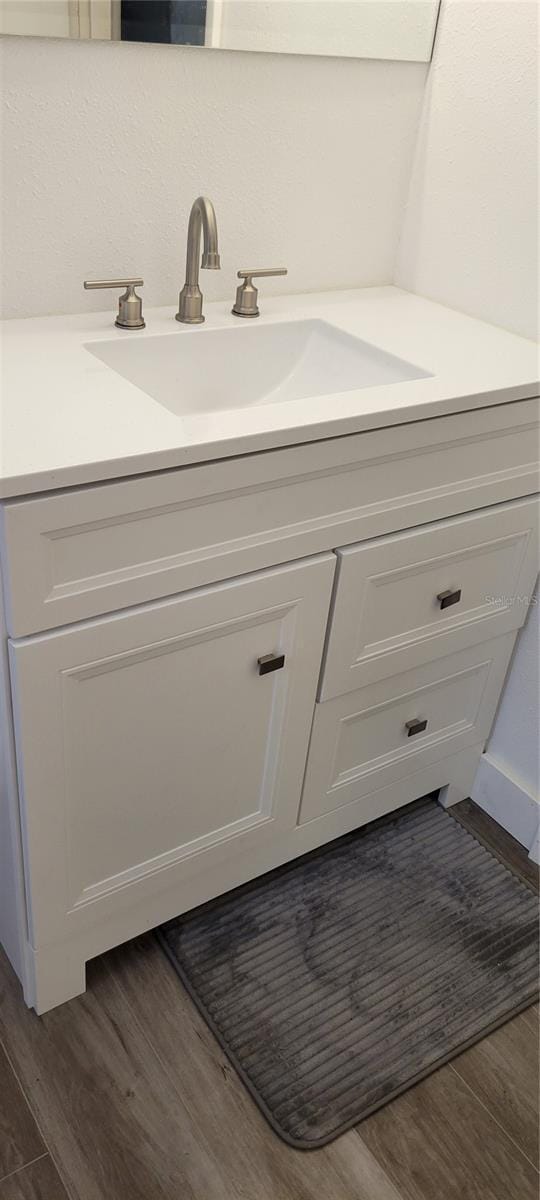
[[233, 633]]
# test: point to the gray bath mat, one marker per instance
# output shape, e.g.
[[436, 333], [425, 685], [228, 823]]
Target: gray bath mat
[[341, 979]]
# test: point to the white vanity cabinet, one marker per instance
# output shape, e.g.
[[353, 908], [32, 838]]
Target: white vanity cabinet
[[150, 763]]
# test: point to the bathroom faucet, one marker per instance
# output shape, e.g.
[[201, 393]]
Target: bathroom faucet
[[190, 300]]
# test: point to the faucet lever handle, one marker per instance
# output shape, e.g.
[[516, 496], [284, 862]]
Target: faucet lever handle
[[262, 272], [245, 304], [129, 315]]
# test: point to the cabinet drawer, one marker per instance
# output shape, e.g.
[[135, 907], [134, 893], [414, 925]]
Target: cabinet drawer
[[74, 555], [371, 738], [403, 600]]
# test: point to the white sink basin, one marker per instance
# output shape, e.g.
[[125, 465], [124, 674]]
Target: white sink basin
[[206, 370]]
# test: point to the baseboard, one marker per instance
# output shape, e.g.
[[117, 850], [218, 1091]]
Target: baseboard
[[509, 803]]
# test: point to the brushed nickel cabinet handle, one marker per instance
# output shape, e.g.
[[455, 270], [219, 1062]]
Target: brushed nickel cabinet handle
[[449, 597], [415, 726], [270, 662]]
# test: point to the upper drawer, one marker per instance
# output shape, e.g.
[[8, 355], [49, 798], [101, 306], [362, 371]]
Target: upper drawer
[[401, 601], [72, 555]]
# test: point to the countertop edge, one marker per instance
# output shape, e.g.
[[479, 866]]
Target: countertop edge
[[19, 487]]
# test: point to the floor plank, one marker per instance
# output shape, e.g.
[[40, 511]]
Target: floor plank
[[532, 1017], [112, 1119], [20, 1139], [253, 1160], [40, 1181], [438, 1140], [503, 845], [502, 1071]]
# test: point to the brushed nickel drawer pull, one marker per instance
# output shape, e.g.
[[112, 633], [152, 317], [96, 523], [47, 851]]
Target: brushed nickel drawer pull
[[447, 598], [270, 662], [416, 726]]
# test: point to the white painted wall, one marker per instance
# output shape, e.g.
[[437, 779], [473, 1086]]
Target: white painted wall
[[469, 241], [105, 146], [469, 235]]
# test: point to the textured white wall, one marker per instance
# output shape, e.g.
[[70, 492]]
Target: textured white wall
[[105, 147], [469, 233], [469, 241]]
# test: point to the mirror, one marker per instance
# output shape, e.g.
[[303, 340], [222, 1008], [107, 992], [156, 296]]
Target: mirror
[[387, 29]]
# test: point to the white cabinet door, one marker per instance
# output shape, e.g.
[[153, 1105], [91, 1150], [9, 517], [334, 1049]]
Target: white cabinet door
[[150, 746]]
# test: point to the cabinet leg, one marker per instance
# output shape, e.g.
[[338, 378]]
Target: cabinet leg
[[463, 775], [59, 975], [450, 795]]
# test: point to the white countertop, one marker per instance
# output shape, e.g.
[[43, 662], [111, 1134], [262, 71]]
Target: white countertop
[[68, 419]]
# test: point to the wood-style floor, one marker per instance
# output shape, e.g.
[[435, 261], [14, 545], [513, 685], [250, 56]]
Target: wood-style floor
[[123, 1094]]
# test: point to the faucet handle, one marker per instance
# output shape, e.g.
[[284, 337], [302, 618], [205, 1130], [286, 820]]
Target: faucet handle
[[129, 315], [245, 304]]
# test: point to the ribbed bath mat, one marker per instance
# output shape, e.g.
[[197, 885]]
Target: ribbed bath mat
[[336, 982]]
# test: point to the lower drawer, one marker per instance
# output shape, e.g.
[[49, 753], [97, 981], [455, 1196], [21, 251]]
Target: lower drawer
[[371, 738]]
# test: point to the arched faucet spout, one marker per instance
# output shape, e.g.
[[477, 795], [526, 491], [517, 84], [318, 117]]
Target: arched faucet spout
[[202, 217]]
